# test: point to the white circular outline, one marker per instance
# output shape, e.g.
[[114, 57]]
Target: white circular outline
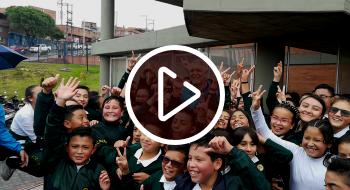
[[221, 94]]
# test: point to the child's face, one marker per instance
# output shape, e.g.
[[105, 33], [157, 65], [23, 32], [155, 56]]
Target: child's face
[[80, 149], [239, 119], [223, 120], [148, 145], [142, 96], [82, 97], [313, 142], [338, 120], [78, 119], [112, 111], [344, 150], [173, 164], [136, 135], [334, 181], [182, 122], [247, 145], [281, 121], [201, 168], [310, 109]]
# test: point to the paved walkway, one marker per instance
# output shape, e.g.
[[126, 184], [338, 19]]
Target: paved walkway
[[22, 181]]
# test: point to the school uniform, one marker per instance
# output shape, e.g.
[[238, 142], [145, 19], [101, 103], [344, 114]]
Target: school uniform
[[67, 175], [274, 163], [110, 132], [157, 182], [184, 182], [93, 114], [150, 167]]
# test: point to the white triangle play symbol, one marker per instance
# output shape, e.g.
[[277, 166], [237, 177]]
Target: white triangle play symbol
[[197, 94]]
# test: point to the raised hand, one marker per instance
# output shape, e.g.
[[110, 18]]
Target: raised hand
[[49, 83], [219, 145], [281, 94], [226, 77], [116, 91], [104, 90], [132, 61], [234, 88], [66, 91], [256, 96], [122, 162], [277, 72], [104, 180], [239, 68], [246, 73], [122, 143]]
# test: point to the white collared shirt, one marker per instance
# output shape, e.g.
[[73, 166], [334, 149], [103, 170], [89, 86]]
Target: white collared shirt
[[255, 159], [197, 187], [145, 163], [342, 132], [168, 185]]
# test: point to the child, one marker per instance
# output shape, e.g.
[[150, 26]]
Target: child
[[344, 147], [137, 163], [306, 169], [338, 174], [77, 170], [182, 125], [173, 165]]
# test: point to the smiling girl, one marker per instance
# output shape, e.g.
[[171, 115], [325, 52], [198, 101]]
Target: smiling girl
[[306, 169]]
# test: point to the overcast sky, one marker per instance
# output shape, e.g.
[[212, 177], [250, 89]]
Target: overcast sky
[[128, 11]]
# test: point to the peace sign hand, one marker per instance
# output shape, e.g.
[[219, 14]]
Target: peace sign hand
[[277, 72], [246, 73], [122, 162], [256, 96], [132, 61], [226, 77], [281, 94]]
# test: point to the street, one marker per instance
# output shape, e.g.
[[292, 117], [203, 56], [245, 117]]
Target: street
[[22, 181]]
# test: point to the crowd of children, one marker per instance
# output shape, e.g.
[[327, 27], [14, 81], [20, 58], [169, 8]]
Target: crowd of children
[[79, 139]]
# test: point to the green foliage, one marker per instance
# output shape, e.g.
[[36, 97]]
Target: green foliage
[[29, 73], [31, 22]]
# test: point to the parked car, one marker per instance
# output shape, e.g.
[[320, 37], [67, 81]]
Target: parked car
[[19, 49], [40, 48]]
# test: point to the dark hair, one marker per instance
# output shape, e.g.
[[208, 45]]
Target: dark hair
[[325, 86], [28, 93], [94, 100], [116, 98], [82, 132], [222, 132], [344, 139], [83, 87], [180, 148], [325, 128], [204, 142], [294, 97], [316, 98], [239, 133], [341, 166], [292, 109], [342, 98], [70, 109], [247, 115]]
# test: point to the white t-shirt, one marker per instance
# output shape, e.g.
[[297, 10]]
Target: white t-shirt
[[23, 122], [305, 172]]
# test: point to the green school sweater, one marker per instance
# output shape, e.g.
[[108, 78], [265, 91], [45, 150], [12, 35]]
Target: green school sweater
[[127, 180], [152, 183]]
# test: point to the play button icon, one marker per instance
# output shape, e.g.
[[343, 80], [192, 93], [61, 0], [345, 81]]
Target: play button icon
[[174, 95], [161, 116]]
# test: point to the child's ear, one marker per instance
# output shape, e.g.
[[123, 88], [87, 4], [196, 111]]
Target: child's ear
[[93, 150], [67, 124], [217, 164]]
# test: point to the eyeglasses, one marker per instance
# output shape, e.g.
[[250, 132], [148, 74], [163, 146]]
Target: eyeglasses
[[173, 163], [282, 121], [343, 113]]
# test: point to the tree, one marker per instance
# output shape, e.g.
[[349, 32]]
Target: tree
[[32, 22]]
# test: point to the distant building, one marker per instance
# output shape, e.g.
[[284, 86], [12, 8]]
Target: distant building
[[122, 31], [77, 34], [4, 27], [89, 25]]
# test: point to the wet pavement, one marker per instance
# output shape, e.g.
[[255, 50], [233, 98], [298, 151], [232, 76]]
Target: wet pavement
[[22, 181]]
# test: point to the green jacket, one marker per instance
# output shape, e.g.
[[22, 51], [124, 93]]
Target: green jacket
[[66, 176], [152, 183], [127, 180]]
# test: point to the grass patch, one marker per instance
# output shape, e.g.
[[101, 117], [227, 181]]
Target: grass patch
[[30, 73]]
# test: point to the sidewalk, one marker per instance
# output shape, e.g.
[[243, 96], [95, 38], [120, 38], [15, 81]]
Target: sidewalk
[[22, 181]]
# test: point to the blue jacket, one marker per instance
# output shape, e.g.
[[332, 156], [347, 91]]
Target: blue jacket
[[6, 139]]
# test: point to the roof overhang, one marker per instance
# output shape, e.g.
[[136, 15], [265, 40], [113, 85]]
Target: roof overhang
[[178, 3], [314, 24], [148, 41]]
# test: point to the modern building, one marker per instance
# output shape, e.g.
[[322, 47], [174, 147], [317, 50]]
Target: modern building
[[311, 37], [4, 27]]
